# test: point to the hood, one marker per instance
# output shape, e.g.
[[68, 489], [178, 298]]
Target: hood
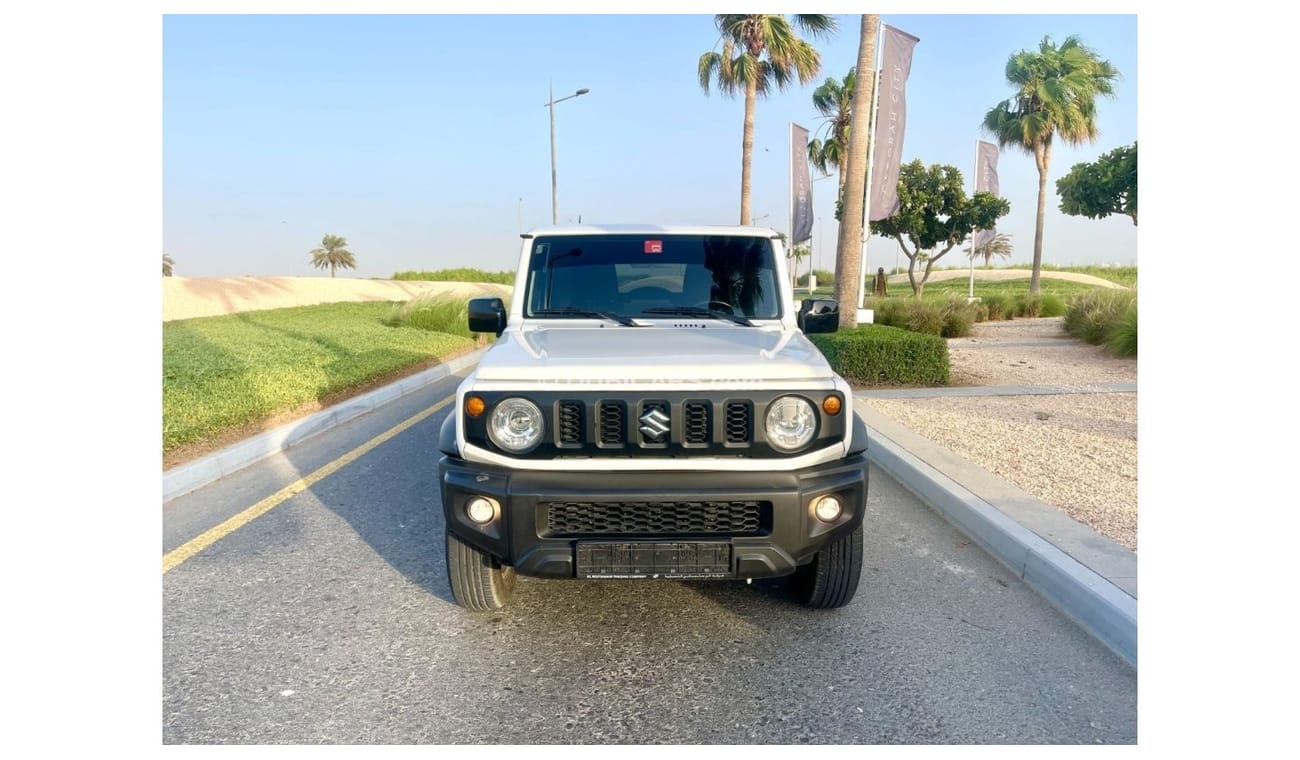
[[680, 354]]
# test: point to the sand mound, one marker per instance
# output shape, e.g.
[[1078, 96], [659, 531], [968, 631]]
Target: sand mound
[[186, 297]]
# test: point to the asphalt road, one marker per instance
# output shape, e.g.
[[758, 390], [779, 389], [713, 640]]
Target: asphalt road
[[328, 620]]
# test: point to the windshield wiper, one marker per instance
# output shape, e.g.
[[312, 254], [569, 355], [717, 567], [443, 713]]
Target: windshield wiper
[[696, 311], [589, 313]]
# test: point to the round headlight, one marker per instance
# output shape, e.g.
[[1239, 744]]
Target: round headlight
[[791, 423], [516, 424]]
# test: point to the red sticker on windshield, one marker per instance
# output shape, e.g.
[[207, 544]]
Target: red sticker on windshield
[[654, 246]]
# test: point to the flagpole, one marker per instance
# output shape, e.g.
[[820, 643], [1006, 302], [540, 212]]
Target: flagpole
[[866, 205], [794, 277], [975, 180]]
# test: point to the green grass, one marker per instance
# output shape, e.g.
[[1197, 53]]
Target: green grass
[[463, 274], [223, 373]]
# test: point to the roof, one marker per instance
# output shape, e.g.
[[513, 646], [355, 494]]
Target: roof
[[654, 229]]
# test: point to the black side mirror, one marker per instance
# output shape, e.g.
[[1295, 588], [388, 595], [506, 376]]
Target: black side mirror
[[487, 315], [819, 315]]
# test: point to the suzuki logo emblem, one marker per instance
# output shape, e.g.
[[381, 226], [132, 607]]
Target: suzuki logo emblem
[[654, 424]]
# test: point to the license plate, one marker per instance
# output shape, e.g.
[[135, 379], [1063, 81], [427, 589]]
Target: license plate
[[654, 560]]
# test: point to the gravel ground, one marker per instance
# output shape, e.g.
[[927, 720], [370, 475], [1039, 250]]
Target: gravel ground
[[1077, 452]]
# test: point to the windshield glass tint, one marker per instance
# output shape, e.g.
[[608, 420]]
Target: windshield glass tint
[[628, 274]]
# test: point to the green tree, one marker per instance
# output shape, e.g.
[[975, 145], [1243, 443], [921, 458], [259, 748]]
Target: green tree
[[167, 265], [1106, 186], [1000, 245], [1056, 91], [935, 215], [759, 52], [333, 254], [848, 248], [834, 101]]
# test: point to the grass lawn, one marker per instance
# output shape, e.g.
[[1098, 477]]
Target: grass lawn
[[224, 374]]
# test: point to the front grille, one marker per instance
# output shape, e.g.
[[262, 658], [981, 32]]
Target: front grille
[[738, 421], [697, 418], [612, 423], [656, 518], [570, 425]]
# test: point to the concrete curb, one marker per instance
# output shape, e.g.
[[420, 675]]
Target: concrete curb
[[190, 476], [1097, 603]]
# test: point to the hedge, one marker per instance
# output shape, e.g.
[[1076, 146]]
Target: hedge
[[881, 355]]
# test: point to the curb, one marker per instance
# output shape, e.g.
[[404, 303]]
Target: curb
[[190, 476], [1093, 600]]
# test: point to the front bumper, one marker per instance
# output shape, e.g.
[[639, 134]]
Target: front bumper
[[520, 537]]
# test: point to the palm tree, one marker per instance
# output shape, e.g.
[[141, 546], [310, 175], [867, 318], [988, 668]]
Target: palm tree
[[848, 250], [167, 265], [797, 255], [1000, 245], [1056, 90], [333, 253], [834, 101], [760, 51]]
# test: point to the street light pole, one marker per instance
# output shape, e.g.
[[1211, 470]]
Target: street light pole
[[550, 103]]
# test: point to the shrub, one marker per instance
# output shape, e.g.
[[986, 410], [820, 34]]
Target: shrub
[[999, 306], [462, 274], [824, 278], [981, 311], [1095, 316], [886, 311], [882, 355], [1052, 305], [958, 316], [433, 313], [923, 317], [1026, 305], [1123, 340]]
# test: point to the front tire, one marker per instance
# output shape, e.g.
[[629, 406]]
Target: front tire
[[478, 581], [831, 579]]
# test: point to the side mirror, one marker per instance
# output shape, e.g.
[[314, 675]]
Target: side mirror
[[819, 315], [487, 315]]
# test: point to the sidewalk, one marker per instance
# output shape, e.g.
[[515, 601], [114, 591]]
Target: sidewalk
[[1033, 454]]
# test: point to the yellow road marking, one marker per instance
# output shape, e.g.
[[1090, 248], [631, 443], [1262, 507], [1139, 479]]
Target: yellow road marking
[[195, 545]]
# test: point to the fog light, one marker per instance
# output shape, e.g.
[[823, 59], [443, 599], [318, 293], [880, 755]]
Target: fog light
[[827, 509], [480, 510]]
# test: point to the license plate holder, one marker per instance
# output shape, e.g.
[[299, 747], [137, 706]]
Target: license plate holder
[[644, 559]]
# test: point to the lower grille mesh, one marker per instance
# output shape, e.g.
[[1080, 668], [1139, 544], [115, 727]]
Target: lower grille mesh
[[656, 518]]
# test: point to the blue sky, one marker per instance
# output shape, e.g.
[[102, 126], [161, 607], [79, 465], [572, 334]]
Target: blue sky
[[416, 136]]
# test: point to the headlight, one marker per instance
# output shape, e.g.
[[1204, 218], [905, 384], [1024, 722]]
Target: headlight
[[791, 423], [516, 424]]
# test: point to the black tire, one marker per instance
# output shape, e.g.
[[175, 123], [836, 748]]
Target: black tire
[[831, 579], [477, 580]]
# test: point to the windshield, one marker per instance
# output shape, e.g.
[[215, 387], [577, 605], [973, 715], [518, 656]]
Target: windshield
[[639, 275]]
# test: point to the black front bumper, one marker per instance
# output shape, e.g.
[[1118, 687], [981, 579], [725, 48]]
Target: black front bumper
[[789, 534]]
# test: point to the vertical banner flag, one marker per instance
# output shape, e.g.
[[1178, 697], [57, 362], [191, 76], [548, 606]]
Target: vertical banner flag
[[801, 212], [891, 119], [986, 180]]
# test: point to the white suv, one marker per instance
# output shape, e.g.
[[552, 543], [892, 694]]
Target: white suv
[[652, 409]]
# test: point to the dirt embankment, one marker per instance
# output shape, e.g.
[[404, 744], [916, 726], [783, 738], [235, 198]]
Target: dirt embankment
[[187, 297]]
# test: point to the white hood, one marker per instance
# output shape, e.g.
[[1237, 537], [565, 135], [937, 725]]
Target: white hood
[[712, 352]]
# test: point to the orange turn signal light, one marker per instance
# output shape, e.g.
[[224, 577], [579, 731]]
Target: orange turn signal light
[[831, 405], [475, 406]]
